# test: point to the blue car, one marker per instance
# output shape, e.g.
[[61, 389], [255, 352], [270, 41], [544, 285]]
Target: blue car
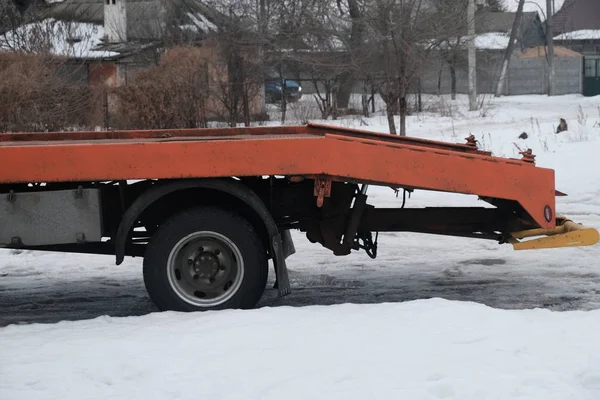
[[274, 90]]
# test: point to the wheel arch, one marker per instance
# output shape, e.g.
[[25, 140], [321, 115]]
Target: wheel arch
[[239, 194]]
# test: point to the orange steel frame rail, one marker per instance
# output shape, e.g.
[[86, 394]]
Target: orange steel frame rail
[[312, 150]]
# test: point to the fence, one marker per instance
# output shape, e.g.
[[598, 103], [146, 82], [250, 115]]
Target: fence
[[530, 76], [525, 75]]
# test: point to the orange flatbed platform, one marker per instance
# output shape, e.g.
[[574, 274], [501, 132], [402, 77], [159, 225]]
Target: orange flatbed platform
[[311, 150]]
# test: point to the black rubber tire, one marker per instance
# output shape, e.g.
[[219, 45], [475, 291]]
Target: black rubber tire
[[227, 223]]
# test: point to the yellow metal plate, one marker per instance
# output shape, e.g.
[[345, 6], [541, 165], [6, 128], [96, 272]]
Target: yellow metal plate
[[583, 237]]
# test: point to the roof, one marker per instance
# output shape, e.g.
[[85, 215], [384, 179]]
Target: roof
[[76, 40], [192, 15], [533, 5], [577, 15], [499, 21], [541, 51], [583, 34], [75, 28], [78, 10], [18, 12]]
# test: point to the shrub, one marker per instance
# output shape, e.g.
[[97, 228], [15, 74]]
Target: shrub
[[34, 96]]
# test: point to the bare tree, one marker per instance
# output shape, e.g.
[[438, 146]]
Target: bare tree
[[452, 21], [401, 37]]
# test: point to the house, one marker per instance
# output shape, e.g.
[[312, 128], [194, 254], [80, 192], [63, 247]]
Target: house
[[448, 71], [577, 26], [498, 25], [110, 39], [107, 42]]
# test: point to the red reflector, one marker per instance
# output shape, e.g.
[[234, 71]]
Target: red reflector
[[548, 213]]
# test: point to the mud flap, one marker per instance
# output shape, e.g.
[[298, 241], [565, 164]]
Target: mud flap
[[282, 280], [288, 243]]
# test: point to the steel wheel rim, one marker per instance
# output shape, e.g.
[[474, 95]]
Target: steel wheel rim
[[205, 269]]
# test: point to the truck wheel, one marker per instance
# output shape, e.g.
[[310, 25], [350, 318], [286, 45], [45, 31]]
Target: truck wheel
[[205, 259]]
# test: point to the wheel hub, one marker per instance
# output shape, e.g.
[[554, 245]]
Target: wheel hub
[[206, 268]]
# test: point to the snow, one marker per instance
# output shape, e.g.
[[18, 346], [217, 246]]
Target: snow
[[584, 34], [432, 317], [200, 22], [538, 6], [492, 41], [483, 41], [432, 349], [66, 39]]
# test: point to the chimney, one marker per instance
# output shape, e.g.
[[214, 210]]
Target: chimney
[[115, 21]]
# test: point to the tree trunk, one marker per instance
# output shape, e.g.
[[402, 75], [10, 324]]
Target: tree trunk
[[346, 79], [390, 118], [402, 90], [439, 82], [373, 93], [246, 109], [403, 113], [283, 110], [283, 84], [344, 92], [453, 80], [365, 105], [420, 97], [334, 104]]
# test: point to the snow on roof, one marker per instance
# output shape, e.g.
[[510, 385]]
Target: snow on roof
[[584, 34], [492, 41], [533, 6], [483, 41], [60, 38], [201, 22]]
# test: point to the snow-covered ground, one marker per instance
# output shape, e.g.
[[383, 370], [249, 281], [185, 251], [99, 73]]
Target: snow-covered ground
[[432, 317], [432, 349]]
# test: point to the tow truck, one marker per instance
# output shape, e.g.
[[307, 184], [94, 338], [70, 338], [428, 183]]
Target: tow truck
[[208, 209]]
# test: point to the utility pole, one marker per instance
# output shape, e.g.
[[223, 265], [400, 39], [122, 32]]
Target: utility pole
[[510, 48], [262, 11], [550, 40], [472, 58]]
